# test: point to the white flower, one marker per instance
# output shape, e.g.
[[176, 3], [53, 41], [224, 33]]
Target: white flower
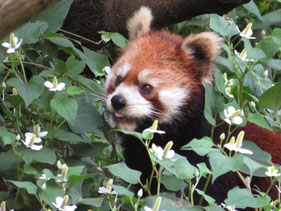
[[247, 32], [265, 74], [55, 86], [44, 177], [105, 191], [140, 193], [231, 116], [61, 204], [30, 142], [151, 130], [13, 45], [230, 208], [159, 152], [107, 69], [222, 136], [253, 104], [146, 208], [243, 55], [227, 92], [272, 172], [236, 145]]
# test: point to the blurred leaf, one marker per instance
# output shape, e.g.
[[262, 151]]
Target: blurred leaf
[[33, 90], [209, 199], [117, 39], [214, 103], [203, 169], [96, 202], [122, 171], [88, 150], [132, 133], [6, 137], [28, 186], [45, 155], [73, 179], [95, 61], [242, 198], [201, 146], [30, 32], [68, 137], [271, 18], [252, 7], [66, 107], [74, 67], [275, 64], [258, 119], [270, 99], [222, 164], [61, 41], [8, 161], [222, 26], [172, 183], [123, 191], [28, 169], [219, 81], [74, 90], [52, 191], [55, 16]]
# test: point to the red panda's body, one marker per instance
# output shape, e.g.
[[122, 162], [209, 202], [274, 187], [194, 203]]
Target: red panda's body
[[161, 76]]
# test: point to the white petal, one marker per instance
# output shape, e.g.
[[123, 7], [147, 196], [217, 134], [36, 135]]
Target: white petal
[[237, 120], [227, 121], [18, 44], [103, 190], [59, 201], [38, 140], [60, 86], [43, 133], [53, 89], [48, 84], [231, 147], [245, 151], [11, 50], [70, 208], [231, 110], [29, 134], [6, 45], [16, 39], [36, 147], [170, 154]]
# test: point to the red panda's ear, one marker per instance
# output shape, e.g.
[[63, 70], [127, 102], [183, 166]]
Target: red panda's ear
[[203, 47], [140, 22]]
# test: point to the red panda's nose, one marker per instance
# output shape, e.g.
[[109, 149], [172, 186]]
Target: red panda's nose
[[118, 102]]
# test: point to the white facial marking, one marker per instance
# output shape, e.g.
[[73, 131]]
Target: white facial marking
[[172, 99], [136, 105], [144, 78], [122, 71]]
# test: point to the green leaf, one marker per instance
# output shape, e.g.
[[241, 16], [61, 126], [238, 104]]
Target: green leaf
[[95, 61], [271, 98], [201, 146], [51, 192], [132, 133], [252, 7], [258, 119], [33, 90], [30, 32], [74, 67], [45, 155], [122, 171], [6, 137], [96, 202], [209, 199], [222, 26], [214, 103], [8, 161], [88, 150], [203, 169], [74, 90], [55, 16], [28, 186], [172, 183], [68, 137], [275, 64], [28, 169], [222, 164], [219, 81], [66, 107], [117, 39], [74, 179], [242, 198], [123, 191], [61, 41]]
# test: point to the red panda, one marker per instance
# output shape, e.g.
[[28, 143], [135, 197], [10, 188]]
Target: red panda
[[161, 76]]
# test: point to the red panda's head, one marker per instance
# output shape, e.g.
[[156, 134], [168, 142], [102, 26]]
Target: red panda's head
[[158, 73]]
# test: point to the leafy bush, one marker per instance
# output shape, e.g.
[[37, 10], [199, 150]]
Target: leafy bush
[[58, 151]]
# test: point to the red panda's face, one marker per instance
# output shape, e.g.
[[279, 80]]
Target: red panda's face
[[158, 74]]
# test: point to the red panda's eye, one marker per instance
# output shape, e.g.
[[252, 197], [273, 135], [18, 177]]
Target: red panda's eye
[[146, 88], [118, 80]]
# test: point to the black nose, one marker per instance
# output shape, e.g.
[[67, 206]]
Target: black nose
[[118, 102]]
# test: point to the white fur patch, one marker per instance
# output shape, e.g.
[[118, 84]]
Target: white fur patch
[[144, 78], [172, 99], [136, 107], [123, 70]]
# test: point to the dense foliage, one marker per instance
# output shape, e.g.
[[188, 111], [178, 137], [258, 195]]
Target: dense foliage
[[58, 152]]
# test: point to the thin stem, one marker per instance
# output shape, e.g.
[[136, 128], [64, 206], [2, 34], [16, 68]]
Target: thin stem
[[81, 37]]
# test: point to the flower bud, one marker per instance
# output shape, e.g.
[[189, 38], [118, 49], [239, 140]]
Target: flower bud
[[59, 164], [55, 82], [37, 130], [14, 91], [239, 139], [167, 148], [157, 204], [18, 137], [155, 124], [4, 85], [65, 200], [109, 185], [248, 28], [222, 136], [12, 40], [3, 206], [32, 141], [140, 192], [43, 187], [232, 140], [64, 171], [253, 104]]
